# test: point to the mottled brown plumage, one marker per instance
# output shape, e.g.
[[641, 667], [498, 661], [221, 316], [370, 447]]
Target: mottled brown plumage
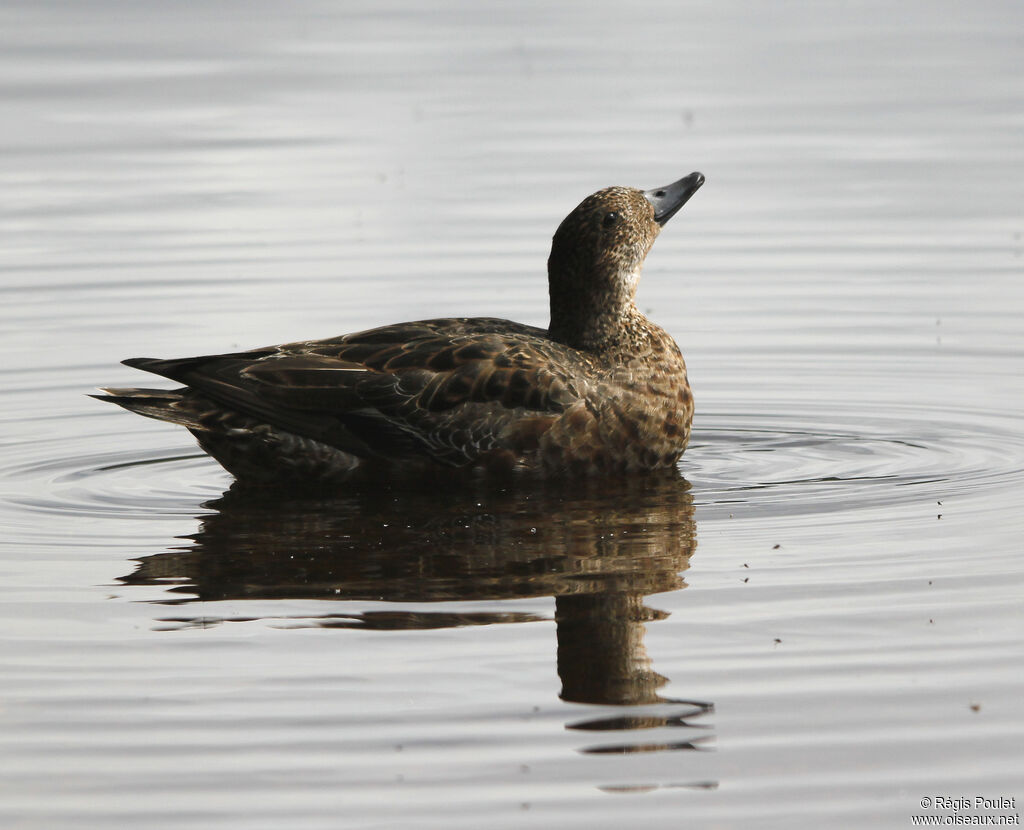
[[602, 390]]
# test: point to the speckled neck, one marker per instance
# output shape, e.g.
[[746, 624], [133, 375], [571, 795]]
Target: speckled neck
[[597, 322]]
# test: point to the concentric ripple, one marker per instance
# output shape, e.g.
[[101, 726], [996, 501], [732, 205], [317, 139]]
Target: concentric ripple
[[795, 465], [773, 463], [64, 478]]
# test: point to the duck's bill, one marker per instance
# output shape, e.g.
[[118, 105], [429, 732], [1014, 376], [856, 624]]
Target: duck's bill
[[667, 200]]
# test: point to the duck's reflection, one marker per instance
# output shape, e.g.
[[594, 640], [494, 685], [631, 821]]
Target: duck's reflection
[[597, 550]]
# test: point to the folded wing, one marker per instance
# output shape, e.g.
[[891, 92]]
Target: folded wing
[[451, 390]]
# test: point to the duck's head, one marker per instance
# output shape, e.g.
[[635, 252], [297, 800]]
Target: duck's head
[[597, 254]]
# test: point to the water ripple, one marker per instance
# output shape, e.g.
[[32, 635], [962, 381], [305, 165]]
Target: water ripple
[[796, 465], [775, 463]]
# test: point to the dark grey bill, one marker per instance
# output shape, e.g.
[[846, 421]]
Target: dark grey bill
[[667, 200]]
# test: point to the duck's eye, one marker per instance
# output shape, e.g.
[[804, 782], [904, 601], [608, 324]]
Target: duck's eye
[[609, 219]]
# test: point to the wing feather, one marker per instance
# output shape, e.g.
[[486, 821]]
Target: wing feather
[[449, 389]]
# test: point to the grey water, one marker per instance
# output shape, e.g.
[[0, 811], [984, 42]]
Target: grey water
[[818, 622]]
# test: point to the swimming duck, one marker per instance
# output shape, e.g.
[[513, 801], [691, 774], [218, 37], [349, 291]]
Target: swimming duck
[[602, 390]]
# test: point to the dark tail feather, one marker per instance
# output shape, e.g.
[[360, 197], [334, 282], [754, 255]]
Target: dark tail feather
[[178, 368], [162, 404]]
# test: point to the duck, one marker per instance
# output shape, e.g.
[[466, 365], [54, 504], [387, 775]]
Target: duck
[[602, 391]]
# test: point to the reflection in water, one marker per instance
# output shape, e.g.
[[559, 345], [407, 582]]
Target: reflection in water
[[597, 550]]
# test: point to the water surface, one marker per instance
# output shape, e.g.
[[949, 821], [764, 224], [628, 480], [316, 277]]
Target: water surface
[[816, 622]]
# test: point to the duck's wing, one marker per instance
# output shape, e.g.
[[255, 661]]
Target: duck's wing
[[450, 390]]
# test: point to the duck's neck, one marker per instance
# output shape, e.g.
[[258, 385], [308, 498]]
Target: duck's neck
[[607, 329]]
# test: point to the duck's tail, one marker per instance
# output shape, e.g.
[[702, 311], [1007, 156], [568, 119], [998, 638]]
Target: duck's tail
[[245, 447], [171, 405]]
